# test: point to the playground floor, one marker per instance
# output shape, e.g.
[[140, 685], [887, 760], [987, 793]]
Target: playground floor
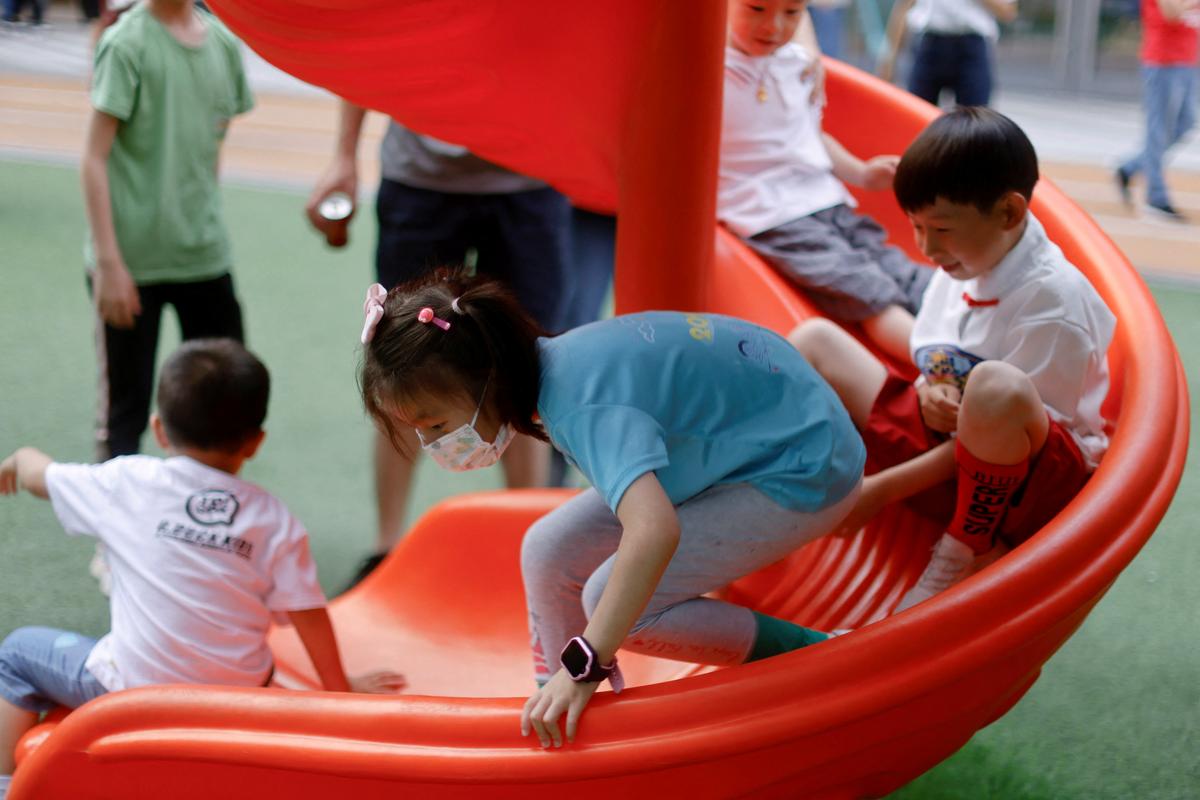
[[1114, 714]]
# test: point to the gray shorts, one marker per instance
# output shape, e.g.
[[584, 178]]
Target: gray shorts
[[843, 263]]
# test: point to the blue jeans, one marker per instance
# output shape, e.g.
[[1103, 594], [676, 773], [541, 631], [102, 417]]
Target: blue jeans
[[1170, 104], [41, 668], [961, 62]]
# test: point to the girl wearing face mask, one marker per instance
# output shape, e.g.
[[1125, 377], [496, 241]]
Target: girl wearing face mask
[[712, 447]]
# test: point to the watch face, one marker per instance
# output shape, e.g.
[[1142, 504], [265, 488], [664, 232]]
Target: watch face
[[575, 658]]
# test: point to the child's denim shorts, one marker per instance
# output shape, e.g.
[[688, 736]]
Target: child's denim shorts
[[41, 668]]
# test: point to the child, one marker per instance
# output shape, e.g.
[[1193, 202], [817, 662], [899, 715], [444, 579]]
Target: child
[[200, 559], [712, 447], [779, 183], [1169, 55], [167, 79], [1011, 345], [953, 48]]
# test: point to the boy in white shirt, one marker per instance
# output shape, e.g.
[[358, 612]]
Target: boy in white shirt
[[201, 560], [780, 187], [1003, 426]]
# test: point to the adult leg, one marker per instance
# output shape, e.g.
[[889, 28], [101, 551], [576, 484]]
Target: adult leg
[[849, 367], [973, 76], [1155, 82], [208, 309], [39, 669], [926, 79], [1002, 424], [726, 532], [125, 362]]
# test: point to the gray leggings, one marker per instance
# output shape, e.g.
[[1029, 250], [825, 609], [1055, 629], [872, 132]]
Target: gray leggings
[[726, 532]]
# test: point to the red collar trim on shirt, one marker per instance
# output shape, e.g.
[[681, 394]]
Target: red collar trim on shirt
[[973, 303]]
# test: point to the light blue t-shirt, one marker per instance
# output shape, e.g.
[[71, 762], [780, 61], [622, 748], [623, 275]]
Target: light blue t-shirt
[[700, 400]]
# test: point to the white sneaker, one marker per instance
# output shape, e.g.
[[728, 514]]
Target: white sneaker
[[951, 562]]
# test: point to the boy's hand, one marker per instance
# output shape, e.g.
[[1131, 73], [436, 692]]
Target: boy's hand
[[381, 682], [116, 294], [939, 406], [8, 475], [870, 502], [879, 172]]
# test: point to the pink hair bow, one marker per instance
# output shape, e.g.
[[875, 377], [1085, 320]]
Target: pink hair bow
[[373, 310]]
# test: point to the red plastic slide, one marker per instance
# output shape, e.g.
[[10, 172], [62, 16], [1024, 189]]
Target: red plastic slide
[[617, 102]]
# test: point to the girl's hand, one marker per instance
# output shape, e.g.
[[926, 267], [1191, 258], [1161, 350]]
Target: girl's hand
[[870, 502], [116, 294], [939, 406], [879, 172], [543, 709], [381, 682]]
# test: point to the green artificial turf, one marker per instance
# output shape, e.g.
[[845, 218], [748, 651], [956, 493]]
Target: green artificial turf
[[1115, 714]]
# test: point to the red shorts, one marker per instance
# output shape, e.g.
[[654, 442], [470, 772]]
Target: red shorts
[[896, 432]]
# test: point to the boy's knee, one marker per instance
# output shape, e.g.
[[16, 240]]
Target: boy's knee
[[999, 391], [814, 337]]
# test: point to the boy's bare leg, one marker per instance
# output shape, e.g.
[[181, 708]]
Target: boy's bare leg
[[891, 330], [14, 721], [1002, 419], [526, 463], [850, 368], [393, 481]]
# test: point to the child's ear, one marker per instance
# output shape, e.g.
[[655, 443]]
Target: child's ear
[[160, 431], [1013, 208], [252, 444]]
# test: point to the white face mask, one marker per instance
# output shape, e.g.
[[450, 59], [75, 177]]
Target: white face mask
[[463, 448]]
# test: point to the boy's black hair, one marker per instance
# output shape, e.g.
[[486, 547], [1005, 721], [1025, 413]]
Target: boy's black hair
[[969, 156], [212, 395], [491, 342]]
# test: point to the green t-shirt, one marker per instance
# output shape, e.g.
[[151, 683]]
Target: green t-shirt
[[174, 103]]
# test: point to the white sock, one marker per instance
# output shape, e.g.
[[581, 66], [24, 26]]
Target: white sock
[[5, 780]]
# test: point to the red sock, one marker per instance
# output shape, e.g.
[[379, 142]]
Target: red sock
[[984, 493]]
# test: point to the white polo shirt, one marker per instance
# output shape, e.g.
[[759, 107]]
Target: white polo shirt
[[1033, 310], [774, 165], [953, 17], [200, 559]]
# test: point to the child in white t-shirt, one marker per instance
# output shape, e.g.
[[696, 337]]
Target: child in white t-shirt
[[1004, 426], [781, 182], [201, 560]]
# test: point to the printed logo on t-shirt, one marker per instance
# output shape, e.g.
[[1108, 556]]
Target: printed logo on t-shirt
[[945, 363], [755, 348], [208, 539], [212, 507]]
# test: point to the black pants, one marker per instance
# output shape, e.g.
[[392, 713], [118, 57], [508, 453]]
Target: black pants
[[206, 309], [961, 63]]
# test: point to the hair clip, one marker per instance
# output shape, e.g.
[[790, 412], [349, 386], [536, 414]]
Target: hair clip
[[372, 311], [426, 315], [454, 306]]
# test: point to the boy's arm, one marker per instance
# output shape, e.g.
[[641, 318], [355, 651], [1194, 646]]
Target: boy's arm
[[25, 469], [1173, 10], [342, 173], [897, 483], [316, 633], [116, 294], [874, 175], [1005, 10], [896, 28]]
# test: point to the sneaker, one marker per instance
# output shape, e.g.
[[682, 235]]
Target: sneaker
[[1122, 177], [365, 568], [951, 562], [1165, 211]]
